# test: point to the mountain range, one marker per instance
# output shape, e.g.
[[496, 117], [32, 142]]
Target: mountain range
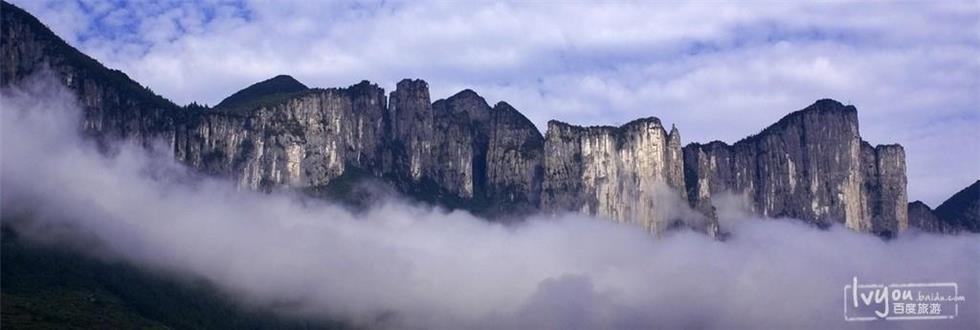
[[461, 152]]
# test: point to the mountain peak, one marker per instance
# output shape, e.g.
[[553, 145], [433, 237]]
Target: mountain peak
[[827, 102], [280, 84], [469, 98], [963, 208], [412, 84], [466, 93], [827, 105]]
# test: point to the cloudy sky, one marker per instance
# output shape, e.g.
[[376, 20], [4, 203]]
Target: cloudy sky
[[719, 70]]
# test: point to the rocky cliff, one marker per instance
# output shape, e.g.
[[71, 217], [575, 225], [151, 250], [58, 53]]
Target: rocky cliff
[[515, 159], [959, 213], [632, 173], [922, 216], [812, 165], [115, 106], [461, 152], [962, 210], [304, 140]]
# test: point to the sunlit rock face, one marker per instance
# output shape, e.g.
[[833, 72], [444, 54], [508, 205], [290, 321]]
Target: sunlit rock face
[[810, 165], [304, 141], [627, 173]]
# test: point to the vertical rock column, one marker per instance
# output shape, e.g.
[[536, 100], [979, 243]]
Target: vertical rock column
[[411, 129], [886, 190], [461, 125], [515, 156]]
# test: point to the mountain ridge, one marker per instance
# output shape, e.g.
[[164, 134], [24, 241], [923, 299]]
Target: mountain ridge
[[959, 213], [461, 151]]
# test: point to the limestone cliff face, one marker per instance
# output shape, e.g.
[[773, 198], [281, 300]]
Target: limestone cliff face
[[810, 165], [885, 188], [455, 150], [304, 141], [459, 158], [627, 173], [515, 159], [460, 152], [412, 128]]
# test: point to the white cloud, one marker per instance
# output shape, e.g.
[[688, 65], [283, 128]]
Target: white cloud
[[718, 70]]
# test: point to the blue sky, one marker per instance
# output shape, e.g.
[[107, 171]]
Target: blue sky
[[719, 70]]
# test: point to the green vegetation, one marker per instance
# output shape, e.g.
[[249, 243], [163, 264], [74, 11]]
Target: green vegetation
[[262, 94], [245, 106]]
